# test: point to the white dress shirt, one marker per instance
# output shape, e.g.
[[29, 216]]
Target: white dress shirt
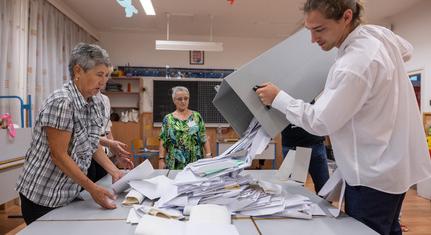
[[108, 124], [369, 110]]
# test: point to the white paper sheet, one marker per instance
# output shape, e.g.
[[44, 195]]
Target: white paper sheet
[[153, 225], [133, 197], [302, 162], [269, 187], [317, 210], [204, 219], [210, 214], [286, 167], [333, 191], [142, 171], [133, 217], [260, 142], [146, 188]]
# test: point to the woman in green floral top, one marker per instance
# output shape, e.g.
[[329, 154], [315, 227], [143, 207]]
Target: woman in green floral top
[[182, 136]]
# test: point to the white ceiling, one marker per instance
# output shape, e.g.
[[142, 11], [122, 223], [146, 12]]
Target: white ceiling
[[245, 18]]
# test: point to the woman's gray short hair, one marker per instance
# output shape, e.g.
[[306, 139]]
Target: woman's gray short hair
[[177, 89], [88, 56]]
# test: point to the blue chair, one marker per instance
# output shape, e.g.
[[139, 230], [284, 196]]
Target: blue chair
[[144, 151]]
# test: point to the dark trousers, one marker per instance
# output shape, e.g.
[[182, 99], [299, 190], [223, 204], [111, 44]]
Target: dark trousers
[[376, 209], [95, 172], [32, 211], [318, 168]]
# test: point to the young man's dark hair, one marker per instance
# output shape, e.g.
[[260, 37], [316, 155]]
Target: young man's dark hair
[[334, 9]]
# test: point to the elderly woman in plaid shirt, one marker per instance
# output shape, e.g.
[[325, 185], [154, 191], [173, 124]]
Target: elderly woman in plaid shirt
[[66, 138]]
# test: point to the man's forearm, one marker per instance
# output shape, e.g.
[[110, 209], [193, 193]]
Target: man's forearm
[[103, 160], [104, 141]]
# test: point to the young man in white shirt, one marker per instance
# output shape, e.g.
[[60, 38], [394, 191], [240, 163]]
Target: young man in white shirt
[[369, 110]]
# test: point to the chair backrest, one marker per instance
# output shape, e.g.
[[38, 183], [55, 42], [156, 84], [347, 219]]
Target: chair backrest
[[152, 142], [137, 144]]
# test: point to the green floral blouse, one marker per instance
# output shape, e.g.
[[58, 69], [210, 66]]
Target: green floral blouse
[[183, 140]]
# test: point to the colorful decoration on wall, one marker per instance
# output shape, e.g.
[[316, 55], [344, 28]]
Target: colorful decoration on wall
[[6, 123], [128, 7], [231, 2]]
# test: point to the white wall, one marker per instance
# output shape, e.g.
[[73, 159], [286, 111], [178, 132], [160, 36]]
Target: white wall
[[414, 25], [138, 49]]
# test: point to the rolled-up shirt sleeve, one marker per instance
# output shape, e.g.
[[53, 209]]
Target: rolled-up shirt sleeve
[[57, 114], [335, 107]]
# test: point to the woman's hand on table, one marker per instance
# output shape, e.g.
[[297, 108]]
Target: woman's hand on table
[[103, 197]]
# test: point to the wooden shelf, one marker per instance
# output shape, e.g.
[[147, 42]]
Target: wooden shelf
[[124, 107], [126, 132], [119, 93], [125, 78]]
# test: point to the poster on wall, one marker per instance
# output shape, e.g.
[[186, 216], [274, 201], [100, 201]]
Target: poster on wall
[[196, 57]]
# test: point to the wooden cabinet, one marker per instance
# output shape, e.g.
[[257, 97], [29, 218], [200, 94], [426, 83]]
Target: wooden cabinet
[[124, 93], [126, 132]]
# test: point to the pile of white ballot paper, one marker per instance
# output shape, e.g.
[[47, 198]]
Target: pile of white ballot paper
[[204, 219], [219, 181]]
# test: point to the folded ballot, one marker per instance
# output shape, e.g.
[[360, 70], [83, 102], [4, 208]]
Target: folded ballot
[[144, 170], [133, 197], [204, 219]]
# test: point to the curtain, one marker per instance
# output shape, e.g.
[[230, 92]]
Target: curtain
[[13, 54], [52, 36]]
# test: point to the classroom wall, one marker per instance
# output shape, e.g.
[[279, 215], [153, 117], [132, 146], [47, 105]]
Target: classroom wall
[[138, 49], [413, 25]]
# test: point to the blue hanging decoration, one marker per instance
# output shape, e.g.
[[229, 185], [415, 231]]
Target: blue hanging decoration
[[128, 7]]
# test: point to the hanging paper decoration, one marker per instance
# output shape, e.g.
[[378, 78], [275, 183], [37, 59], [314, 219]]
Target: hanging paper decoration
[[231, 2], [128, 7], [8, 124]]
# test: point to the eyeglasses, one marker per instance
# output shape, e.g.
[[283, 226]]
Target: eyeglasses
[[182, 98]]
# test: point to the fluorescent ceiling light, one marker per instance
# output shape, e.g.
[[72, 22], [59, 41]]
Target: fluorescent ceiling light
[[188, 45], [148, 7]]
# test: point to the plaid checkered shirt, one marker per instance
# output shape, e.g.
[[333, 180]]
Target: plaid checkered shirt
[[41, 181]]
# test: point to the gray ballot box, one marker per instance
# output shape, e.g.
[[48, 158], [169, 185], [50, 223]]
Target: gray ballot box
[[295, 65]]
